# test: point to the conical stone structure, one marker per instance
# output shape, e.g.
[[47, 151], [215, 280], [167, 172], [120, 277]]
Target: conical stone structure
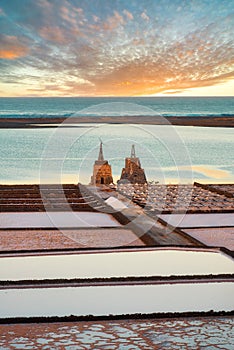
[[133, 173], [102, 173]]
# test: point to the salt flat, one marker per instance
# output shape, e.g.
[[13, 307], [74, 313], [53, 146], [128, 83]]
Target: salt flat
[[116, 300], [147, 262], [146, 334], [56, 219], [34, 239], [214, 236], [199, 220]]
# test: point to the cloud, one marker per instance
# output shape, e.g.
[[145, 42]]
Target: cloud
[[144, 16], [113, 22], [79, 10], [128, 14], [171, 92], [95, 18], [11, 48], [116, 50], [54, 34]]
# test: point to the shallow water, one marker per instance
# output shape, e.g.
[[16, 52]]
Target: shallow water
[[121, 264], [178, 333], [170, 154], [116, 299]]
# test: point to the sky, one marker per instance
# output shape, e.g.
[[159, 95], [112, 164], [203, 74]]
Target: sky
[[116, 47]]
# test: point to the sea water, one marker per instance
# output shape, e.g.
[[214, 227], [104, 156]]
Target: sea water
[[176, 154], [169, 154], [95, 106]]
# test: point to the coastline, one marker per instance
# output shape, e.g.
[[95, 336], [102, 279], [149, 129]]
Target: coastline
[[215, 121]]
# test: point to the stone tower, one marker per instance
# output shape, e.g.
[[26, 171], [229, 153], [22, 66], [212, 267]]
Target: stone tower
[[102, 174], [133, 173]]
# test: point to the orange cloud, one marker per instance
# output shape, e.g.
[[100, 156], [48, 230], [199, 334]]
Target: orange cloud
[[54, 34], [11, 48], [144, 16], [118, 53], [147, 77], [113, 22], [128, 14]]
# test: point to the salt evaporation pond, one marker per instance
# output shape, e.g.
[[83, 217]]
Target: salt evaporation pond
[[116, 300], [65, 299], [155, 262], [169, 154], [56, 219], [199, 220]]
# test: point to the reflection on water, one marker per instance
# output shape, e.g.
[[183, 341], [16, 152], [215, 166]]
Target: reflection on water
[[167, 153], [182, 333], [159, 262], [212, 173], [99, 300]]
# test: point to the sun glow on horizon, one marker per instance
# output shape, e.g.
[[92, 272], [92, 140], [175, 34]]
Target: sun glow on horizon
[[151, 48], [224, 89]]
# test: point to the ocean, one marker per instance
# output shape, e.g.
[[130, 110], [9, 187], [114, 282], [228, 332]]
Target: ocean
[[169, 154], [54, 107]]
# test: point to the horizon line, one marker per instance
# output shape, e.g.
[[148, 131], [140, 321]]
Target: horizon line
[[123, 96]]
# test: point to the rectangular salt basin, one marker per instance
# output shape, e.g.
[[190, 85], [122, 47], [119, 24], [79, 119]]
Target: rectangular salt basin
[[158, 262], [215, 237], [199, 220], [56, 219], [116, 300], [46, 239]]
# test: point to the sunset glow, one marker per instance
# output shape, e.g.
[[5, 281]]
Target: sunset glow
[[116, 48]]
